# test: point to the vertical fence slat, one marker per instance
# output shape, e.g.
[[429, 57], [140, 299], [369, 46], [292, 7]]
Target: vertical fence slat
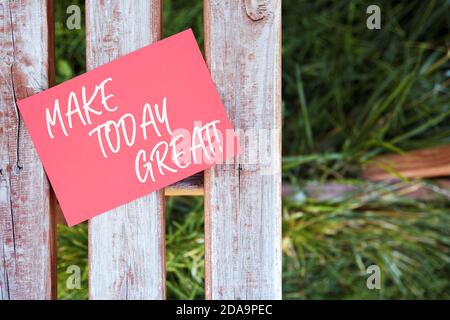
[[127, 244], [27, 259], [243, 201]]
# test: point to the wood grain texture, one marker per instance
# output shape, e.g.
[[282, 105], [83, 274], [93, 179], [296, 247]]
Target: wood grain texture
[[243, 200], [127, 244], [341, 191], [423, 163], [27, 260], [191, 186]]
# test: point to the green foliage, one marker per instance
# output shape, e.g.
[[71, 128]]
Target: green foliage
[[349, 93], [70, 48], [72, 244], [185, 251], [354, 92], [328, 246], [179, 15]]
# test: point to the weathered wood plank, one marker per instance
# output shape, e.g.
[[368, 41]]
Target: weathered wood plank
[[127, 244], [243, 200], [191, 186], [27, 260], [342, 191], [422, 163]]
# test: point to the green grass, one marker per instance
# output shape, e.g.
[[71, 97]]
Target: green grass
[[356, 93], [349, 94], [328, 246]]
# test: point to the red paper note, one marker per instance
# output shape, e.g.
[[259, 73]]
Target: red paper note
[[130, 127]]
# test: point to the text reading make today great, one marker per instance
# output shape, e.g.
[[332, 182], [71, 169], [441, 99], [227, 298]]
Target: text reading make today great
[[201, 144], [130, 127]]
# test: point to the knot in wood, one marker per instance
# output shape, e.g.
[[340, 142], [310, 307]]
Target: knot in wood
[[256, 9]]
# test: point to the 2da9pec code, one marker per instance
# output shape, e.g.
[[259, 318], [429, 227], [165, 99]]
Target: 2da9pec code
[[226, 309], [250, 309]]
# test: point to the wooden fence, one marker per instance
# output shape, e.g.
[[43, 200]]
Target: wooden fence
[[127, 244]]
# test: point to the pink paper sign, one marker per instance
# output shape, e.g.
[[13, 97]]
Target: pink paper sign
[[130, 127]]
